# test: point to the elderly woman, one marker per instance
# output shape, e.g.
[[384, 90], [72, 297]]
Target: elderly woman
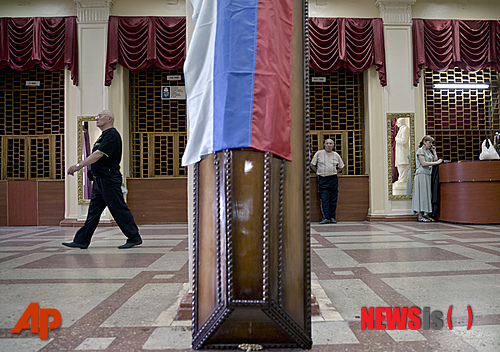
[[426, 157]]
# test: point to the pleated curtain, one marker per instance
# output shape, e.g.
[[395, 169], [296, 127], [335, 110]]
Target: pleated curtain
[[47, 42], [471, 45], [353, 43], [138, 43]]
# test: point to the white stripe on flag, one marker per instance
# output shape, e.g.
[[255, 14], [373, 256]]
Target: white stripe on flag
[[198, 74]]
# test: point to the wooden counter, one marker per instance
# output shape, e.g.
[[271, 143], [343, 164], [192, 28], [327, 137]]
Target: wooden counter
[[470, 192]]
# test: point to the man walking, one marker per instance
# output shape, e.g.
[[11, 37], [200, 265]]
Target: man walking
[[106, 188], [327, 163]]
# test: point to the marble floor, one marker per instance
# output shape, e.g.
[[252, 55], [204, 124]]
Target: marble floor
[[126, 300]]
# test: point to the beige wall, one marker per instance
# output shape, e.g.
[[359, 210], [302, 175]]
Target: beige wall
[[149, 8], [37, 8], [46, 8], [457, 9], [439, 9], [343, 8]]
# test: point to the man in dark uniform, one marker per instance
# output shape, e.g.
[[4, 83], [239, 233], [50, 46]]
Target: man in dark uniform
[[106, 188]]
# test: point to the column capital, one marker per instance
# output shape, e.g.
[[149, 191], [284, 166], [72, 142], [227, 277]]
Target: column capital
[[395, 11], [91, 11]]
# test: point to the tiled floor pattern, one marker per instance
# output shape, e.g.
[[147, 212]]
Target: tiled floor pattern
[[126, 300]]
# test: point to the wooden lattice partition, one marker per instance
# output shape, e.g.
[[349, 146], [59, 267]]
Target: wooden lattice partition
[[32, 126], [157, 126], [337, 113], [460, 119]]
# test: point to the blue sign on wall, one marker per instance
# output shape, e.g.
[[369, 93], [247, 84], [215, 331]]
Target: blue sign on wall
[[173, 92]]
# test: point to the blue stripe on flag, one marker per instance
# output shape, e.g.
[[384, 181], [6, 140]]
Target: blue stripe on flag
[[234, 72]]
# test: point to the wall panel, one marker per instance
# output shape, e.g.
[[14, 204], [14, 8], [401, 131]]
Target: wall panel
[[50, 202], [158, 200]]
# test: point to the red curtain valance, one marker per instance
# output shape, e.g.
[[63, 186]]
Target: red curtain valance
[[352, 43], [49, 42], [138, 43], [443, 44]]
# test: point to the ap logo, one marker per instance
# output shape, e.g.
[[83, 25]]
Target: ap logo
[[39, 320]]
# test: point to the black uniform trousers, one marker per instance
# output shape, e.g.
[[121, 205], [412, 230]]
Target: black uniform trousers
[[328, 188], [108, 193]]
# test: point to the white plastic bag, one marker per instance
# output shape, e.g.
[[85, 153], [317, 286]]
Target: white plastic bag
[[488, 153]]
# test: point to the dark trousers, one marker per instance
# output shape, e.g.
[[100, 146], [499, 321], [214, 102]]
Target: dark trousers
[[435, 190], [328, 188], [107, 193]]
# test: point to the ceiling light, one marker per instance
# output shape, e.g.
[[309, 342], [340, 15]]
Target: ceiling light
[[461, 86]]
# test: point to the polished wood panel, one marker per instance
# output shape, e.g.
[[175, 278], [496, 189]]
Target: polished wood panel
[[250, 268], [248, 229], [50, 202], [352, 204], [31, 203], [157, 200], [470, 192], [207, 241], [22, 203], [3, 203]]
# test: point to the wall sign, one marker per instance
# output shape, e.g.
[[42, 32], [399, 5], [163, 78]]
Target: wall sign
[[318, 79], [173, 92]]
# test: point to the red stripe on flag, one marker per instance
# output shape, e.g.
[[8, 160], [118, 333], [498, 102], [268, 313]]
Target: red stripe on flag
[[271, 119]]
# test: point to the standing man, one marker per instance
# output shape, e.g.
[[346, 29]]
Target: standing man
[[106, 188], [327, 163]]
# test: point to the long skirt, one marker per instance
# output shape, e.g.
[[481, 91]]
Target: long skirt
[[422, 194]]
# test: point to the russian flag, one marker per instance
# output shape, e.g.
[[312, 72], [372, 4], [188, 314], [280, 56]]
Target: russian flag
[[238, 75]]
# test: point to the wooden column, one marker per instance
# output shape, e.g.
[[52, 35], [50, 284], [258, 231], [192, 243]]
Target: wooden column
[[251, 266]]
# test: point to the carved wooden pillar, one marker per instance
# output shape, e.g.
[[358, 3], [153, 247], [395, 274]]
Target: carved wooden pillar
[[251, 267]]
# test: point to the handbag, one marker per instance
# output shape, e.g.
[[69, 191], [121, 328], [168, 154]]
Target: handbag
[[488, 153]]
